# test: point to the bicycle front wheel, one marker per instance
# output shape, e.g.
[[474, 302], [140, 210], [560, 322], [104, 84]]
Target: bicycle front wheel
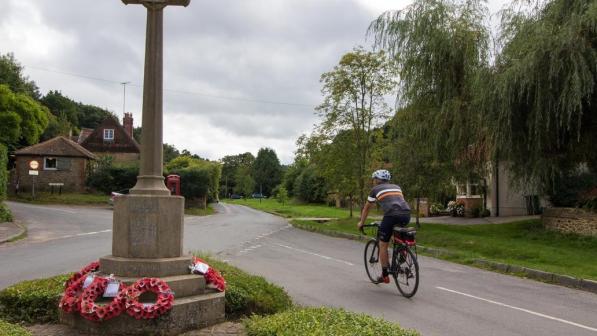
[[372, 264], [407, 274]]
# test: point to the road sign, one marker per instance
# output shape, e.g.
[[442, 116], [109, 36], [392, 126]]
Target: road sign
[[33, 165], [34, 172]]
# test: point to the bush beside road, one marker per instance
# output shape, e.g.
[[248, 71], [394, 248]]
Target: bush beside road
[[524, 243], [322, 321]]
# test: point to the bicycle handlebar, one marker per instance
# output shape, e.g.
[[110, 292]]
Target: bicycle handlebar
[[374, 224]]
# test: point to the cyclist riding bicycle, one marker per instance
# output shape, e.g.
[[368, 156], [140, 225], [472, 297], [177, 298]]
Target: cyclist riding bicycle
[[396, 212]]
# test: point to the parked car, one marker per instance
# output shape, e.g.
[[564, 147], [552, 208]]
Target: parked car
[[115, 194], [235, 196], [257, 195]]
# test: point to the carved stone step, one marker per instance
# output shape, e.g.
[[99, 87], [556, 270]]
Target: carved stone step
[[181, 285], [188, 313]]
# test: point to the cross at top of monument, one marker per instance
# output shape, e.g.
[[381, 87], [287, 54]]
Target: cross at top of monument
[[159, 3]]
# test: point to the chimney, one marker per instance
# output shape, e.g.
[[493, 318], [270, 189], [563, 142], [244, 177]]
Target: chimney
[[127, 122]]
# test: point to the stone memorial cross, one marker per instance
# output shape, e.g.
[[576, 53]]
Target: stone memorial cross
[[150, 180]]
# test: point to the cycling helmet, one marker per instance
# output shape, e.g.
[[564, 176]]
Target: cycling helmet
[[381, 174]]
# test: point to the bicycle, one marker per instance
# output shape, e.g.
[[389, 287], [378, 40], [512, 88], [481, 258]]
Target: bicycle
[[404, 267]]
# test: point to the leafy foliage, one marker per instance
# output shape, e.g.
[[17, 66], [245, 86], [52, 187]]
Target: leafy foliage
[[34, 301], [354, 102], [282, 195], [22, 119], [441, 48], [322, 321], [248, 294], [9, 329], [11, 74], [309, 186], [198, 178], [107, 177], [541, 104], [267, 171], [3, 172], [230, 166]]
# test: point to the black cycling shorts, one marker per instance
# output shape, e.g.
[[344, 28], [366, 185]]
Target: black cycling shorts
[[386, 229]]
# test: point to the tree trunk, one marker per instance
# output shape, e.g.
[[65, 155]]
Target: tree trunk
[[418, 200], [351, 204]]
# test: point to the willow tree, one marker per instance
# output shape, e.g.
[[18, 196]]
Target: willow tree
[[354, 102], [440, 48], [542, 104]]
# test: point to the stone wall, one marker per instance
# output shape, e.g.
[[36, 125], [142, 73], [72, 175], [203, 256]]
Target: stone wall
[[570, 220], [72, 174]]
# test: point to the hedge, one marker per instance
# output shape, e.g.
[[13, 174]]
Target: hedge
[[33, 301], [3, 171], [5, 214], [9, 329], [249, 294], [36, 301], [322, 321]]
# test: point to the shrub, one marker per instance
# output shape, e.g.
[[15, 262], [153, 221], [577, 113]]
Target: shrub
[[107, 177], [249, 294], [282, 195], [3, 172], [485, 213], [322, 321], [9, 329], [194, 182], [34, 301], [5, 214]]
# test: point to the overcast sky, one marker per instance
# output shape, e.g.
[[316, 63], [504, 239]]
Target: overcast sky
[[238, 74]]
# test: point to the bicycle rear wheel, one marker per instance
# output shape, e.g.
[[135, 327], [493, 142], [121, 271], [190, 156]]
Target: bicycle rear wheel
[[406, 276], [372, 264]]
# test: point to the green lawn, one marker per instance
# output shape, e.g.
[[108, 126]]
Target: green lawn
[[523, 243], [295, 209], [64, 198], [199, 212]]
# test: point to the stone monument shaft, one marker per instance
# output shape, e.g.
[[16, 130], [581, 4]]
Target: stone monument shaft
[[150, 180]]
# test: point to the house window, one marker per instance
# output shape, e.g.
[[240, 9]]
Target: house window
[[109, 134], [50, 163]]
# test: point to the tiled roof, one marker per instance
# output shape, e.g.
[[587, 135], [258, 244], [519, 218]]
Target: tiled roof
[[85, 132], [58, 146]]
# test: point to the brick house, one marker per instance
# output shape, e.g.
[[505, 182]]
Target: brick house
[[60, 160], [112, 139]]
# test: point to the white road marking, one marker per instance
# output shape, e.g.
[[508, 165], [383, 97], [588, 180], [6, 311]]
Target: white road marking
[[316, 254], [79, 235], [521, 309]]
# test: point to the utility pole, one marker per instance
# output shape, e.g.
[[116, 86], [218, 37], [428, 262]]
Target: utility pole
[[124, 84]]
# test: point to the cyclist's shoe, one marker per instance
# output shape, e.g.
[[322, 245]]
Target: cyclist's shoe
[[383, 279]]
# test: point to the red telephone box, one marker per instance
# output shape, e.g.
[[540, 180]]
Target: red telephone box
[[173, 184]]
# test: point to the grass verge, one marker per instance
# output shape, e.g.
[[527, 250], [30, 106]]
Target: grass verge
[[322, 321], [293, 209], [524, 243], [64, 198], [33, 301], [9, 329], [199, 212]]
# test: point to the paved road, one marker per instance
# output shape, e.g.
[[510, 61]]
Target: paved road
[[318, 270]]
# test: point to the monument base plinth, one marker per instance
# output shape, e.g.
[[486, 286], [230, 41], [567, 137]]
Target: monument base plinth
[[188, 313]]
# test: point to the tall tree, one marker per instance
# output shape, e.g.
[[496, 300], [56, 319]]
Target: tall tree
[[440, 47], [542, 102], [354, 100], [230, 166], [62, 106], [11, 74], [23, 119], [267, 171]]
